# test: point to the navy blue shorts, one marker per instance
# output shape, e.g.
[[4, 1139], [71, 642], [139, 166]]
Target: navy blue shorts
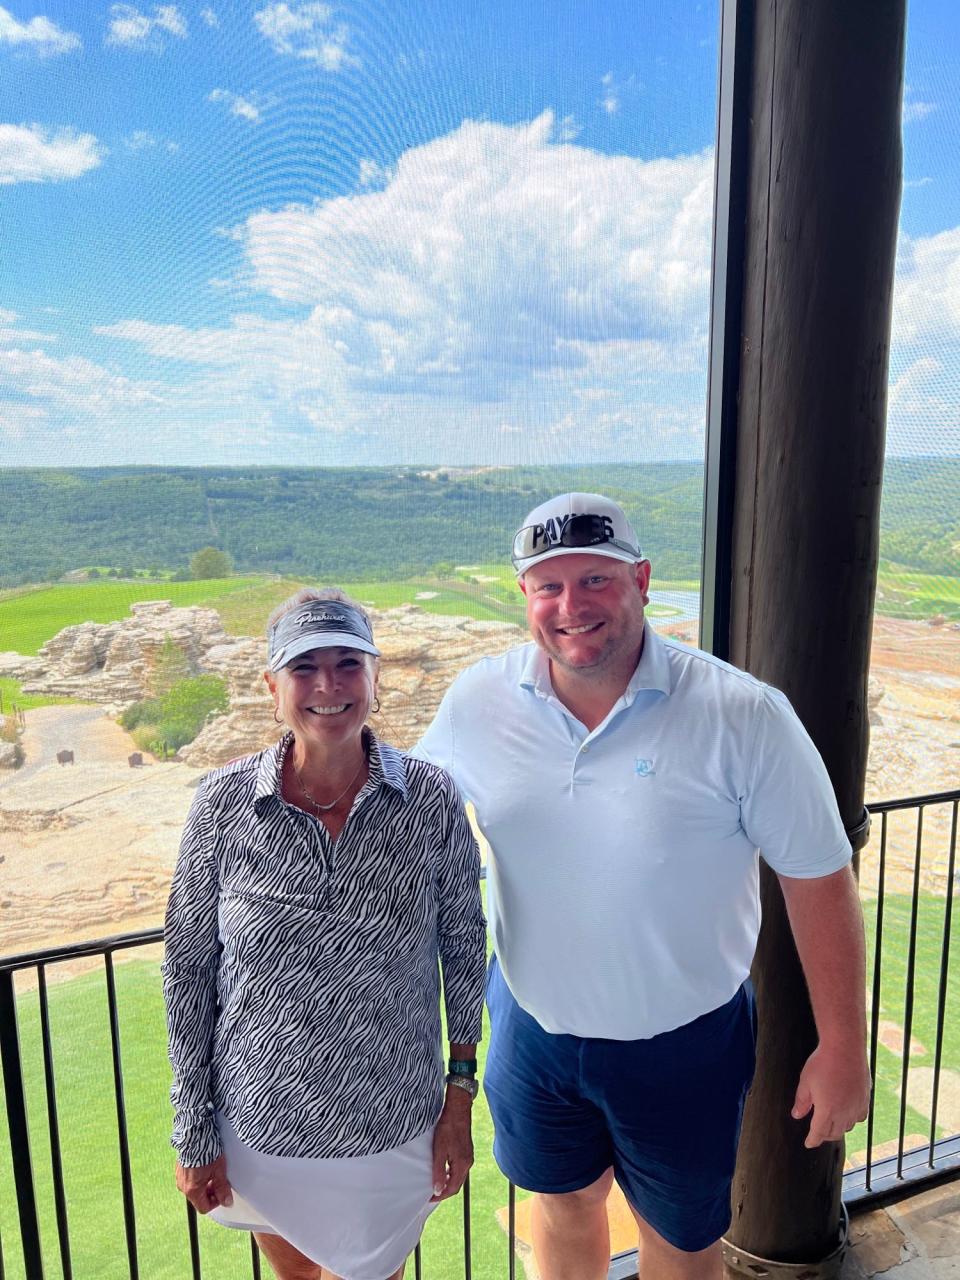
[[664, 1112]]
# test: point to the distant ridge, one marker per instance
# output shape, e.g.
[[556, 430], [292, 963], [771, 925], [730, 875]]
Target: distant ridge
[[390, 521]]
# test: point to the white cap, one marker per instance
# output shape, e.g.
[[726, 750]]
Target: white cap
[[575, 524]]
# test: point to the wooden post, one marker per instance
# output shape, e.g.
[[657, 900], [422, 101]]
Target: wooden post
[[824, 178]]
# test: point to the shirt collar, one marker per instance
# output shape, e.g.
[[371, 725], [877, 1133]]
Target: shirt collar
[[652, 671], [387, 768]]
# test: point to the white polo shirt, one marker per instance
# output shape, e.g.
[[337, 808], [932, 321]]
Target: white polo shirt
[[623, 881]]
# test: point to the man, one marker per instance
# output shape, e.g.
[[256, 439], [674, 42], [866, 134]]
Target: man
[[625, 784]]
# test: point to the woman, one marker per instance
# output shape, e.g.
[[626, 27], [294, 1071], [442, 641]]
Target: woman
[[317, 884]]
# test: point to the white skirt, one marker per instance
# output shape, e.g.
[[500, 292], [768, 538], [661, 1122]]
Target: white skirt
[[358, 1217]]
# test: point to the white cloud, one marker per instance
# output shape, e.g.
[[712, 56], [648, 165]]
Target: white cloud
[[917, 182], [497, 247], [914, 111], [306, 30], [143, 140], [245, 108], [210, 17], [10, 332], [20, 421], [924, 394], [72, 384], [30, 153], [610, 98], [500, 276], [372, 174], [927, 290], [40, 35], [131, 28], [568, 129]]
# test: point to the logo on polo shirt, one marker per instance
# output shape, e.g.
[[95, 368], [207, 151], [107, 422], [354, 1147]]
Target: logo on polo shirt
[[643, 768]]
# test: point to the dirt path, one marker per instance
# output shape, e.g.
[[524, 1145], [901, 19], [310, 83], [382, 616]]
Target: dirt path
[[92, 736], [87, 849]]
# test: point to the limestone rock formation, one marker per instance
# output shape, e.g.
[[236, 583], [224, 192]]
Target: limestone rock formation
[[112, 662], [19, 666]]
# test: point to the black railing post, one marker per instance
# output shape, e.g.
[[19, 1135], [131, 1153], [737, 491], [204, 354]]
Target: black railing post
[[944, 976], [126, 1178], [56, 1159], [467, 1242], [875, 997], [909, 993], [19, 1133], [512, 1232], [194, 1240]]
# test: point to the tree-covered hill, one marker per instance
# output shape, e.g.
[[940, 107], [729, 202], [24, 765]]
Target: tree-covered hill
[[382, 522], [349, 523]]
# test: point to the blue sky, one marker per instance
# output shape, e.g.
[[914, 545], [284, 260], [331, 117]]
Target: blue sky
[[310, 233]]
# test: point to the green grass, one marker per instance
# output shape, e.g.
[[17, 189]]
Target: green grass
[[893, 986], [29, 619], [907, 593], [245, 612], [30, 616], [11, 695]]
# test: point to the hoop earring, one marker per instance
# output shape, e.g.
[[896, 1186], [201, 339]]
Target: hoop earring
[[376, 705], [277, 719]]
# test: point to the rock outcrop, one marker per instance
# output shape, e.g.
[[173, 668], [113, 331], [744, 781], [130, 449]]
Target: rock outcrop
[[112, 662]]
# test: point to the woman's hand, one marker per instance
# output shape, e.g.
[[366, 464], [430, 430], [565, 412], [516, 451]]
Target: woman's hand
[[452, 1145], [205, 1185]]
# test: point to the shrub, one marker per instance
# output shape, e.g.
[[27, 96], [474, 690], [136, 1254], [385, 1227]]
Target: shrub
[[138, 713], [178, 716], [185, 707]]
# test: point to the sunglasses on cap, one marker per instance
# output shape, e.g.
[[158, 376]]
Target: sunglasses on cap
[[578, 533]]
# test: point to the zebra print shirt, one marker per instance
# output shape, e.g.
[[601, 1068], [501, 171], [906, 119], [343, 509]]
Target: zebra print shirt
[[301, 976]]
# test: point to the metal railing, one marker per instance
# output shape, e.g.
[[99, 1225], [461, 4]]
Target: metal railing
[[886, 876], [15, 1091], [911, 864]]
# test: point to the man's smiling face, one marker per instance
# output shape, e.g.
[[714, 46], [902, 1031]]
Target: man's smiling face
[[586, 611]]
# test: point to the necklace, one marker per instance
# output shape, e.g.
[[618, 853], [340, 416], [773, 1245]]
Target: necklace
[[325, 808]]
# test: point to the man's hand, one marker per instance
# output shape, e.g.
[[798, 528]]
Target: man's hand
[[452, 1145], [835, 1086], [205, 1185]]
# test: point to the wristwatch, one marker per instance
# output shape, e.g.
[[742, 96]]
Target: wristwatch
[[462, 1066], [469, 1084]]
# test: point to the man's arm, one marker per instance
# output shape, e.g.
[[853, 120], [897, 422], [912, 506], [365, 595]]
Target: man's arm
[[827, 926]]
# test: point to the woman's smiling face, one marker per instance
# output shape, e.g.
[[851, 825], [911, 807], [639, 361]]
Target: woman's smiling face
[[325, 695]]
